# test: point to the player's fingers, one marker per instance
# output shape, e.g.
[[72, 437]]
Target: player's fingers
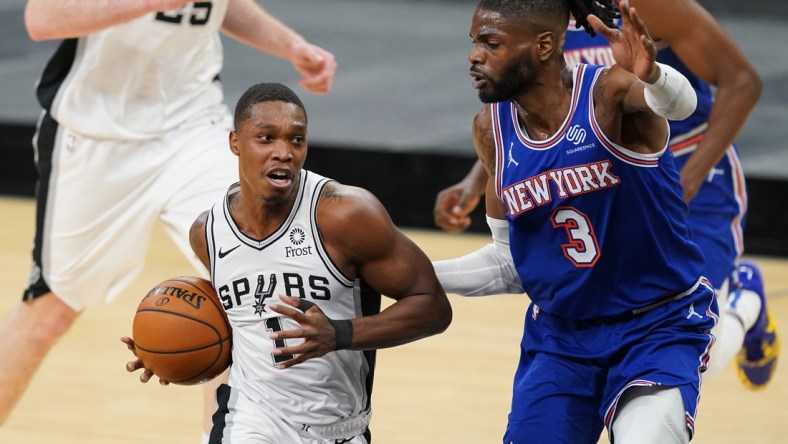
[[295, 306], [133, 366], [319, 83], [290, 333], [145, 376], [601, 28], [129, 343]]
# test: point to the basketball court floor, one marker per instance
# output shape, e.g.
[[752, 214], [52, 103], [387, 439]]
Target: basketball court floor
[[448, 389]]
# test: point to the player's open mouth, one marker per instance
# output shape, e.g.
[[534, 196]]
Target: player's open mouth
[[280, 178], [478, 80]]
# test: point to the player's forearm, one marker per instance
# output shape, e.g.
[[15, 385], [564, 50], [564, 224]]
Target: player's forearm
[[409, 319], [487, 271], [251, 25], [735, 99], [60, 19], [476, 179]]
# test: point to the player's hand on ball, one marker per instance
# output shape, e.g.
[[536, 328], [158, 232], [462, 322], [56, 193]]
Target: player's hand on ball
[[133, 366], [315, 330]]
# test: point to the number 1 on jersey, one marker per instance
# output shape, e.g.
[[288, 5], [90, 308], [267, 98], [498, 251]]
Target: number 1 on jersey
[[273, 325]]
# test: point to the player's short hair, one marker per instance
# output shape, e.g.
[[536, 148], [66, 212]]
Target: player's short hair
[[264, 92]]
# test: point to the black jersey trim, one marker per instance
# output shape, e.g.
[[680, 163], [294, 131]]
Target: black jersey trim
[[261, 244], [44, 146], [316, 235], [55, 73]]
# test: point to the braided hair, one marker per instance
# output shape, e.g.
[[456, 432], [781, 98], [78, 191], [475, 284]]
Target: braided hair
[[604, 9]]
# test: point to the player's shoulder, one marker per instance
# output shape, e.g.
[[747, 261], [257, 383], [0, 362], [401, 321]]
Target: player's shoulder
[[339, 196], [345, 206]]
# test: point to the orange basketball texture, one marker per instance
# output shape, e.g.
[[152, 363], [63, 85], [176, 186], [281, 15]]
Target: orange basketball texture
[[181, 331]]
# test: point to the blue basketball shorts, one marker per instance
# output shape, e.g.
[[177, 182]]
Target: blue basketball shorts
[[572, 373]]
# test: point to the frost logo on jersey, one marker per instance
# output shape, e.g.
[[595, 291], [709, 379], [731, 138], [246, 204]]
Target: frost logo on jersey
[[297, 237], [576, 134], [571, 181]]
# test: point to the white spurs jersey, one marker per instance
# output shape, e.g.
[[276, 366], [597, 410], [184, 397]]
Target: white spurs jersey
[[139, 79], [250, 273]]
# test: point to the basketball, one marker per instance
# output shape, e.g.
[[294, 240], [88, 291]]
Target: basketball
[[181, 331]]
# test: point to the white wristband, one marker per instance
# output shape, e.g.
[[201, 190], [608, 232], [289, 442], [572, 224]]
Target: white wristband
[[671, 96]]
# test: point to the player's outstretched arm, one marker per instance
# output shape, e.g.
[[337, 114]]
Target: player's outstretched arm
[[709, 52], [489, 270], [363, 242], [252, 25]]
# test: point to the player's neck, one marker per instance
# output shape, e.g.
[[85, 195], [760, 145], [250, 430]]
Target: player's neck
[[258, 217], [543, 109]]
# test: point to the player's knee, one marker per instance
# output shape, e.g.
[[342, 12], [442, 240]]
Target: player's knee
[[48, 318], [649, 415]]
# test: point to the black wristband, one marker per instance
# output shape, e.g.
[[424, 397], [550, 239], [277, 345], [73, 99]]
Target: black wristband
[[343, 329]]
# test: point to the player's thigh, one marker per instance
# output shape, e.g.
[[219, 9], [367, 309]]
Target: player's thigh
[[650, 415], [556, 400], [201, 171], [98, 216]]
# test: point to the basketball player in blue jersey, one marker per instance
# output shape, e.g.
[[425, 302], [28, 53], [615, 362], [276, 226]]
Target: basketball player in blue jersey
[[692, 42], [589, 220], [289, 232], [133, 129]]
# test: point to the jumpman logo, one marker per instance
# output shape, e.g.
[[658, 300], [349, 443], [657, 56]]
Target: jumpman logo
[[511, 158], [692, 312], [713, 172]]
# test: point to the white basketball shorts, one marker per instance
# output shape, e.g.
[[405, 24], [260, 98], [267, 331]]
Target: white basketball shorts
[[98, 201]]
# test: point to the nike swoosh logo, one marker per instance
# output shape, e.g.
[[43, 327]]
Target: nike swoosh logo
[[222, 254]]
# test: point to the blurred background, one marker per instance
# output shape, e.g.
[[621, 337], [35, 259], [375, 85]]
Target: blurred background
[[398, 120]]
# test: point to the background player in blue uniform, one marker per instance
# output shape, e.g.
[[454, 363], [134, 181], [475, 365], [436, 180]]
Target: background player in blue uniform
[[618, 332], [691, 41]]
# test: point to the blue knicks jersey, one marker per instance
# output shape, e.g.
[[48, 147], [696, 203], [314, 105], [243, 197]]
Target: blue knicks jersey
[[595, 229], [580, 47]]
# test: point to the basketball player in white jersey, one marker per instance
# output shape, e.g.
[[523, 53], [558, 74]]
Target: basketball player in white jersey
[[287, 250], [133, 129]]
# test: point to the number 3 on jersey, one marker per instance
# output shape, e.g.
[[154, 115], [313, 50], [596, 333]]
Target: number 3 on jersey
[[583, 248]]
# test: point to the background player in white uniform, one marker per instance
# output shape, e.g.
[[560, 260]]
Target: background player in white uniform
[[133, 129], [290, 233], [690, 40]]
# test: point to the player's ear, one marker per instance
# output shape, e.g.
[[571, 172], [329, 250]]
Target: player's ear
[[546, 43], [234, 143]]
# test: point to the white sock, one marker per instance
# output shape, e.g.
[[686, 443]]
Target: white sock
[[737, 316], [745, 304], [204, 438]]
